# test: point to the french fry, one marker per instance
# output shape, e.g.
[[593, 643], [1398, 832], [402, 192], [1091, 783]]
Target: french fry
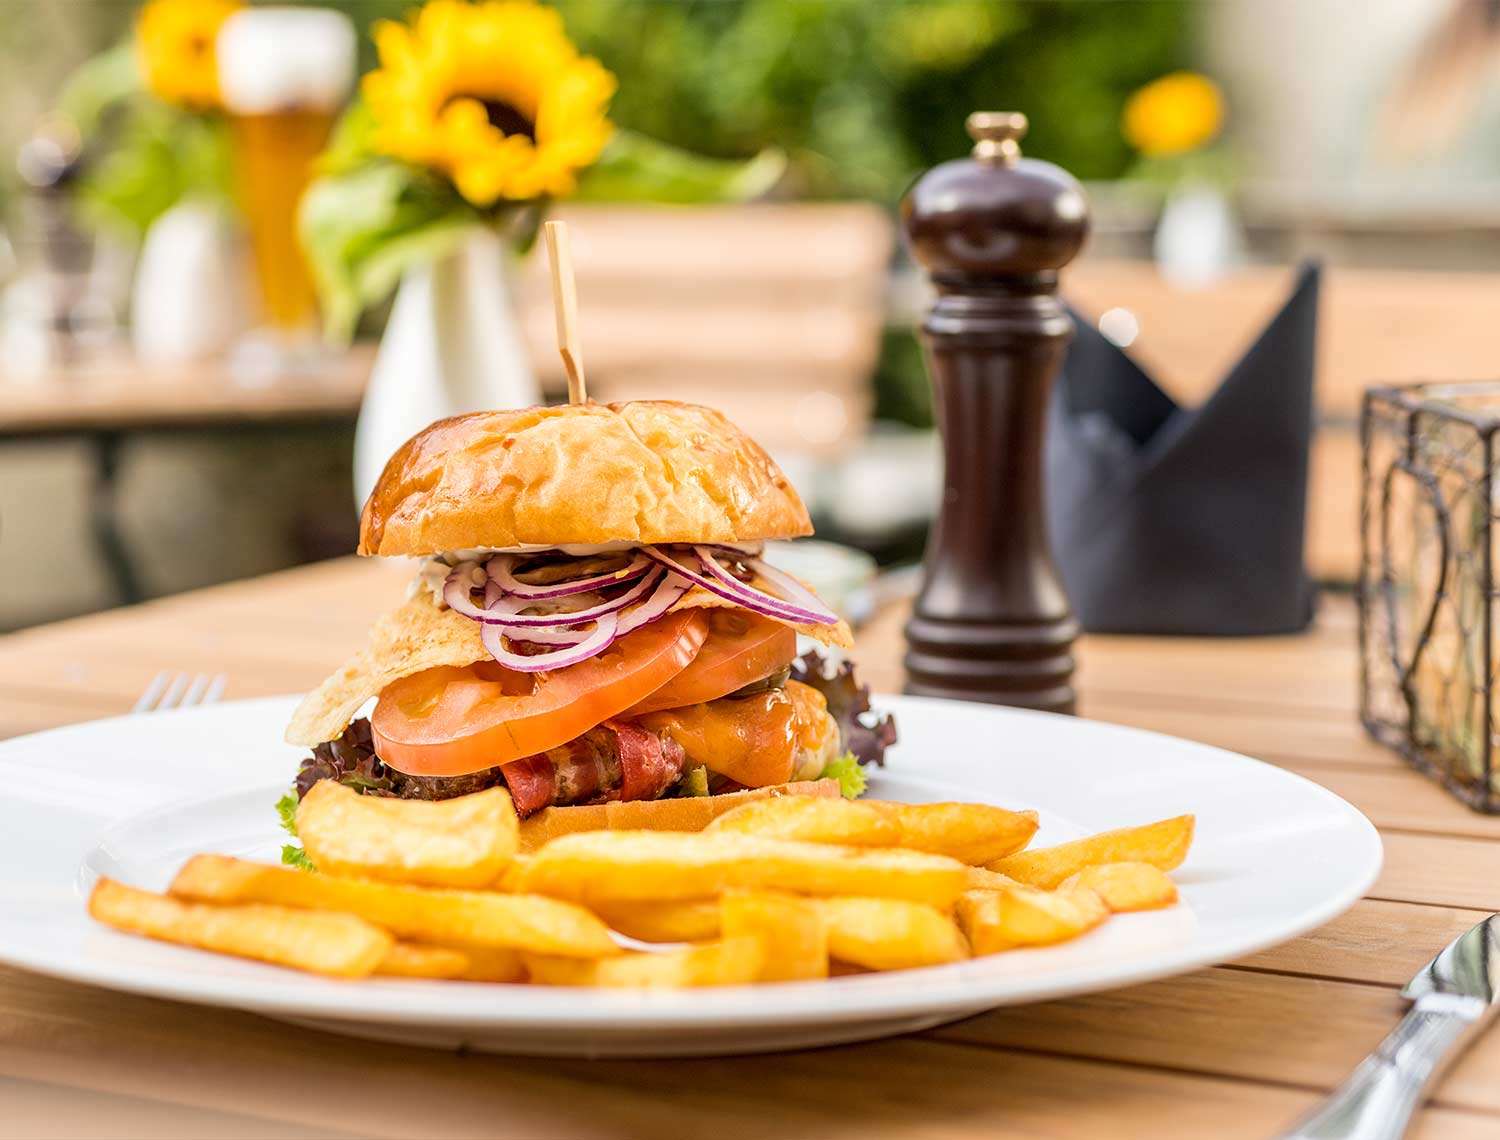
[[467, 963], [891, 934], [512, 874], [730, 962], [970, 833], [1163, 844], [687, 920], [600, 867], [812, 820], [1024, 916], [339, 945], [794, 930], [414, 960], [417, 914], [1127, 886], [983, 879], [463, 842], [492, 964]]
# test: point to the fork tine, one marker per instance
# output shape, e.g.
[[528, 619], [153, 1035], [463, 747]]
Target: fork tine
[[172, 698], [215, 689], [195, 691], [152, 693]]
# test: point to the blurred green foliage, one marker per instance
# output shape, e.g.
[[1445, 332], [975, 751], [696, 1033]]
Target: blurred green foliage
[[865, 93]]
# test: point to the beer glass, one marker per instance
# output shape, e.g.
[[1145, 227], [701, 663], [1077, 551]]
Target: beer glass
[[284, 73]]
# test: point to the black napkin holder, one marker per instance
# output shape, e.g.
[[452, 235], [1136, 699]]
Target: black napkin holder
[[1186, 521]]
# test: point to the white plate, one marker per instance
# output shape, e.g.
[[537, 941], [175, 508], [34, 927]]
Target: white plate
[[1275, 855]]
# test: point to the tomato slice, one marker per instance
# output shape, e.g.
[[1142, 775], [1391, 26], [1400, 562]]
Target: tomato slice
[[742, 647], [449, 722]]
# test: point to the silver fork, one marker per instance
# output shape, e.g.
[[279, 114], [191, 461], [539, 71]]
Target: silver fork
[[179, 691]]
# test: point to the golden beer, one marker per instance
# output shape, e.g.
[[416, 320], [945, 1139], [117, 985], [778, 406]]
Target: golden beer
[[283, 75], [273, 156]]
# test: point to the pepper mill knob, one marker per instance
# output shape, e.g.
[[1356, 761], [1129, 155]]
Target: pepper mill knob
[[997, 136], [992, 622]]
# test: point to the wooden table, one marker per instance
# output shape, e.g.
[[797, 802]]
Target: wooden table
[[1233, 1051], [110, 401]]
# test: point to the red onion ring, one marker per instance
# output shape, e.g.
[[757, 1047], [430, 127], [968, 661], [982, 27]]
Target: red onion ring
[[793, 593], [667, 595], [715, 579], [458, 587], [506, 611], [605, 632], [500, 573]]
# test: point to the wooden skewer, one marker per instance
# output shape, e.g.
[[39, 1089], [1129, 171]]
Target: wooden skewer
[[565, 305]]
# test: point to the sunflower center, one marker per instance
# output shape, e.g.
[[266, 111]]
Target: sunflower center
[[507, 120]]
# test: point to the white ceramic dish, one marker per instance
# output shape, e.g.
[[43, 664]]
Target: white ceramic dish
[[1275, 855]]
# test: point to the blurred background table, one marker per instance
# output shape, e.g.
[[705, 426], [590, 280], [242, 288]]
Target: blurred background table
[[1229, 1052]]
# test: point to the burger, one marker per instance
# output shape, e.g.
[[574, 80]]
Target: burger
[[591, 625]]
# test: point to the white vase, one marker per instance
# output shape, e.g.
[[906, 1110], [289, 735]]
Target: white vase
[[1198, 237], [453, 344], [191, 298]]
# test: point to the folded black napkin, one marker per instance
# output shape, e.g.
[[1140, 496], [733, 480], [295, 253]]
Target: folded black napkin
[[1170, 520]]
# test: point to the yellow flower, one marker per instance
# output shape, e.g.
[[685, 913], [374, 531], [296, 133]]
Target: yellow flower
[[494, 94], [1175, 114], [174, 42]]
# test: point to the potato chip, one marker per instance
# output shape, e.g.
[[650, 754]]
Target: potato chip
[[462, 842], [794, 930], [600, 867], [730, 962], [1025, 916], [418, 914], [812, 820], [339, 945], [1127, 886], [415, 636], [891, 934], [1163, 844], [970, 833]]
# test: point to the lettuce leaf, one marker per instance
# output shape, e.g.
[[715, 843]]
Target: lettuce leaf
[[861, 732], [848, 773], [286, 811]]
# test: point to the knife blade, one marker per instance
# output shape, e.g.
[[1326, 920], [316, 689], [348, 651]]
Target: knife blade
[[1453, 998]]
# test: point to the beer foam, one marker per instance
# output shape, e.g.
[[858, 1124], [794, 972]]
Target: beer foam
[[283, 59]]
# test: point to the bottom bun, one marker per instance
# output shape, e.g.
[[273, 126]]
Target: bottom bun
[[686, 813]]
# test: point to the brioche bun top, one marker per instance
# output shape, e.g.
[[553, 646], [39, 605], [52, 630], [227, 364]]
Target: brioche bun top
[[647, 471]]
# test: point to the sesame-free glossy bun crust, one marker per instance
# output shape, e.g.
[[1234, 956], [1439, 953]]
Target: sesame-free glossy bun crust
[[639, 472]]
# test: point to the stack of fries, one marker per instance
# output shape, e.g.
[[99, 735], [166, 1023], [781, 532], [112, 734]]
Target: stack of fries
[[778, 890]]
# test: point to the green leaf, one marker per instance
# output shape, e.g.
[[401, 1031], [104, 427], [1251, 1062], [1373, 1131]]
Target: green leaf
[[99, 85], [286, 811], [364, 228], [848, 773], [152, 157], [349, 147], [634, 168]]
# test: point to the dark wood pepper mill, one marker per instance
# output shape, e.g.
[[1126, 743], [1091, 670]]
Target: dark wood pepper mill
[[992, 622]]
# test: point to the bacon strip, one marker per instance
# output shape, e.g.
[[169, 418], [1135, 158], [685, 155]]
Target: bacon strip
[[616, 761], [649, 764]]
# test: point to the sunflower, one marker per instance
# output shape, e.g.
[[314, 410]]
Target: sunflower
[[494, 94], [1174, 114], [174, 43]]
